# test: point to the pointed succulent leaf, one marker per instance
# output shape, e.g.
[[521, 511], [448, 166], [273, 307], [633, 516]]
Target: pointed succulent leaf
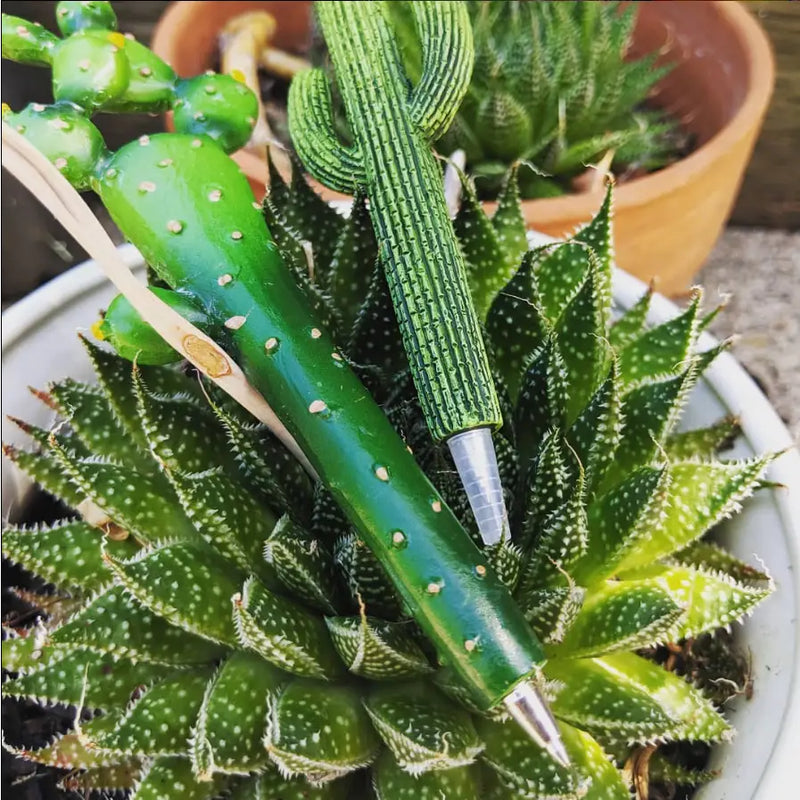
[[392, 782], [271, 784], [142, 504], [597, 235], [516, 325], [228, 518], [712, 600], [709, 556], [661, 769], [284, 633], [90, 415], [595, 434], [581, 330], [509, 222], [621, 615], [620, 519], [48, 471], [703, 443], [377, 649], [551, 480], [366, 579], [552, 610], [630, 325], [187, 585], [700, 495], [303, 565], [560, 272], [24, 649], [542, 400], [229, 733], [663, 350], [650, 413], [422, 728], [115, 623], [353, 259], [320, 731], [561, 542], [69, 554], [373, 339], [103, 780], [625, 698], [528, 773], [85, 679], [171, 778], [159, 722], [506, 560]]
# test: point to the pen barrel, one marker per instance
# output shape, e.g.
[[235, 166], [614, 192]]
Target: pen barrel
[[190, 211], [424, 266]]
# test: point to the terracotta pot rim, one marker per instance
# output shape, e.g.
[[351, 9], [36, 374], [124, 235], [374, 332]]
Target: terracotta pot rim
[[760, 80]]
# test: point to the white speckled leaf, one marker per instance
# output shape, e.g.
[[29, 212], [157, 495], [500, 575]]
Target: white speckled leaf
[[621, 615], [171, 778], [422, 728], [631, 324], [699, 496], [113, 622], [624, 698], [187, 584], [392, 782], [709, 556], [528, 773], [232, 721], [68, 554], [703, 443], [551, 611], [377, 649], [160, 721], [320, 731], [304, 565], [284, 633]]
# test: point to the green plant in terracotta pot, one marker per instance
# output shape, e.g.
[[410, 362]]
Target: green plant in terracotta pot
[[246, 628]]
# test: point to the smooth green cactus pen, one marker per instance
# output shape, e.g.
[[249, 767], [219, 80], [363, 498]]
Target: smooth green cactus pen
[[189, 210], [392, 127]]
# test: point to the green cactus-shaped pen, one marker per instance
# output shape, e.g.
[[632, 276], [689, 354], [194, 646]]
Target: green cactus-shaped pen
[[189, 210], [392, 126]]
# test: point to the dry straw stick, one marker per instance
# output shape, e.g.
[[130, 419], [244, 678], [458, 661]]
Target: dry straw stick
[[43, 180]]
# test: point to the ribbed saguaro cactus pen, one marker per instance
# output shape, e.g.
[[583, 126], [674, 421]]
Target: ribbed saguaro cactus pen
[[189, 210], [393, 125]]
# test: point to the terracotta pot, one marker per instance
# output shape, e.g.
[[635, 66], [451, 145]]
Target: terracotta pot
[[666, 222]]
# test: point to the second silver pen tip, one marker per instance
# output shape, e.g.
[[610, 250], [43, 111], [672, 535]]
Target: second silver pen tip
[[529, 709]]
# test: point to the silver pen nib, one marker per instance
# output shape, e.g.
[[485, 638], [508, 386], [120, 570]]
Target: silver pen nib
[[529, 709], [476, 462]]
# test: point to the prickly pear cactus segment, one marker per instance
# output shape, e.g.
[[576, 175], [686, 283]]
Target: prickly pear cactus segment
[[150, 589], [424, 265]]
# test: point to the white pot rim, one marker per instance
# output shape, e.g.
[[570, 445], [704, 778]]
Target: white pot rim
[[761, 427]]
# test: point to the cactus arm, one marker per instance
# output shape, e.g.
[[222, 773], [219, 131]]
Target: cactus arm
[[447, 56], [423, 263], [196, 237], [72, 17], [27, 42], [314, 137]]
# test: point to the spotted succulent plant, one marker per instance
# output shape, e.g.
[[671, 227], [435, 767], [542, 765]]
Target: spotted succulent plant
[[238, 637], [552, 85]]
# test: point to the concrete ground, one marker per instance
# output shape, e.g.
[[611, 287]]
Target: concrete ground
[[760, 270]]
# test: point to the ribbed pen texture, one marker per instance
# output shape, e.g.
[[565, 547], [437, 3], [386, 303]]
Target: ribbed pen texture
[[424, 266]]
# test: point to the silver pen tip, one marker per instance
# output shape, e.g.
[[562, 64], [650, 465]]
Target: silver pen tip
[[476, 462], [529, 709]]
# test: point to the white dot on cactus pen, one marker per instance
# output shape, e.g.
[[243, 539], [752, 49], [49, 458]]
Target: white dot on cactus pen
[[470, 645], [199, 116], [436, 505], [381, 473], [196, 143], [236, 322], [84, 65], [434, 588], [317, 407], [480, 570], [37, 107], [225, 279], [145, 72], [144, 140], [399, 539], [165, 162], [60, 124], [271, 345], [147, 187], [256, 206], [173, 226], [60, 163], [215, 195], [23, 31], [336, 356], [316, 333]]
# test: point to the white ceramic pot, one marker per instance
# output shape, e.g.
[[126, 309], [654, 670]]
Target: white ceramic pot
[[39, 345]]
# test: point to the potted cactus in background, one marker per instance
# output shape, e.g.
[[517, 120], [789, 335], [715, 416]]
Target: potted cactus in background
[[217, 605], [717, 92]]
